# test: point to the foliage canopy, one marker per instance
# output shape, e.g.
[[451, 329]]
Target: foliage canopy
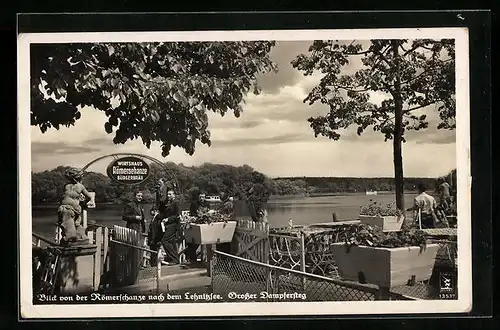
[[408, 75], [420, 73], [152, 91]]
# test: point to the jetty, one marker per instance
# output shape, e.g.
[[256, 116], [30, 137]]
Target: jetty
[[273, 260]]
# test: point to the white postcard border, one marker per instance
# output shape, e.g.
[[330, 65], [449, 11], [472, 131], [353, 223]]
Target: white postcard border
[[464, 302]]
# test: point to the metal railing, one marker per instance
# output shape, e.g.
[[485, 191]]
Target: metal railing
[[37, 240], [132, 262], [147, 267], [308, 253], [236, 278]]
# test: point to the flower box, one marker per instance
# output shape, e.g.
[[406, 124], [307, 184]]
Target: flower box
[[387, 223], [210, 233], [385, 267]]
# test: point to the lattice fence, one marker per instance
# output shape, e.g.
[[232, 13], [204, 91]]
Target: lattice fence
[[286, 251], [251, 240], [234, 277], [304, 249], [131, 261]]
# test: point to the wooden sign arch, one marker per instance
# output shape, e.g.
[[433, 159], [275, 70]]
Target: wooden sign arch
[[170, 179]]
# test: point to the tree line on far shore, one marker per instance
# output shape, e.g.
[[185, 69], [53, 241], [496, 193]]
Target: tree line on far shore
[[212, 179]]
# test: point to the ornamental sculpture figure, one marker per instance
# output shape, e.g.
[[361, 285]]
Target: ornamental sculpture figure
[[74, 199]]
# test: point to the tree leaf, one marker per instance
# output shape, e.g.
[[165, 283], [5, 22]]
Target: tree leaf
[[177, 68], [193, 101], [108, 128], [179, 97]]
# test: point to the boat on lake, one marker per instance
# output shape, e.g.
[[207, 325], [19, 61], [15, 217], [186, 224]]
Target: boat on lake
[[212, 199]]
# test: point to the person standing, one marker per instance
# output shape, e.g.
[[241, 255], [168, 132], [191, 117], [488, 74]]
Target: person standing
[[69, 212], [227, 208], [425, 204], [133, 214], [155, 230], [169, 213], [198, 202], [444, 194]]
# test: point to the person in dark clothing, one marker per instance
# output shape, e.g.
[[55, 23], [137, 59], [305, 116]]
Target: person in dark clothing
[[197, 203], [154, 234], [133, 214], [226, 207], [169, 215]]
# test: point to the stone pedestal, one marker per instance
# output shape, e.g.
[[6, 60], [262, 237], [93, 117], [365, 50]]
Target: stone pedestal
[[76, 269]]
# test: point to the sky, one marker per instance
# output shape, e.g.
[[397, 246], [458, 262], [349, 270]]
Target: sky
[[272, 135]]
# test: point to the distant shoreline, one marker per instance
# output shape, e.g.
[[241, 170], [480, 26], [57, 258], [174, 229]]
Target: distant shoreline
[[275, 197], [271, 198]]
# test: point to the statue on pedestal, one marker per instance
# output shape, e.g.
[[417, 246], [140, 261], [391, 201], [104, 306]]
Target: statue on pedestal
[[73, 201]]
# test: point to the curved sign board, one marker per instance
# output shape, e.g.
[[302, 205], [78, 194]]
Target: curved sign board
[[128, 170]]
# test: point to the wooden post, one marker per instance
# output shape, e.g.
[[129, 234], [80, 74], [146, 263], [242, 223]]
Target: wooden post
[[181, 247], [334, 216], [269, 282], [97, 258], [303, 259], [210, 256], [159, 258], [112, 266], [84, 219], [90, 235], [58, 234], [383, 293], [105, 261], [145, 255]]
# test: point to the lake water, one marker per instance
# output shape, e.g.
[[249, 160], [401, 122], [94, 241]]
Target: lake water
[[302, 210]]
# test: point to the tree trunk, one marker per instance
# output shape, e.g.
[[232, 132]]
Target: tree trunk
[[398, 132], [398, 162]]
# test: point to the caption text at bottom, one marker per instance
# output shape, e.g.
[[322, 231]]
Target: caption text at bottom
[[188, 296]]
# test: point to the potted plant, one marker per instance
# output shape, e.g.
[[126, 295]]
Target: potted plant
[[208, 227], [388, 218], [387, 259]]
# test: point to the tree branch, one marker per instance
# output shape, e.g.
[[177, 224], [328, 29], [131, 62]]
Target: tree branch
[[420, 106], [353, 90], [359, 53], [382, 56], [387, 119], [424, 72], [410, 50]]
